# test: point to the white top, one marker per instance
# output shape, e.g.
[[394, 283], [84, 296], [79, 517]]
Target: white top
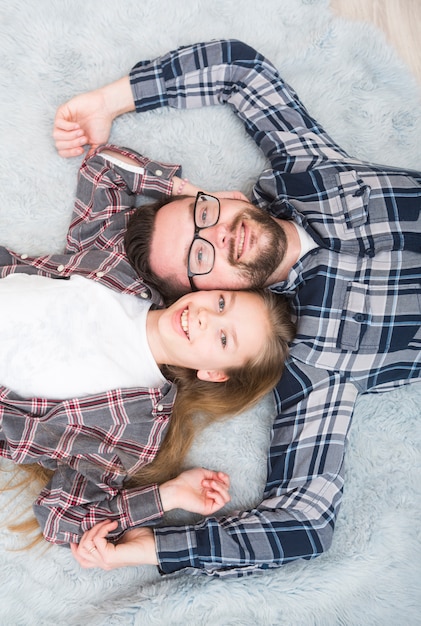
[[67, 338], [306, 241], [130, 167]]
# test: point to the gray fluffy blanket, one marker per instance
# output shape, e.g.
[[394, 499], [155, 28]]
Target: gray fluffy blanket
[[350, 80]]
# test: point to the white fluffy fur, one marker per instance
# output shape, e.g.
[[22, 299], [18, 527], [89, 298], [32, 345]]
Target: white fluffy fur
[[353, 83]]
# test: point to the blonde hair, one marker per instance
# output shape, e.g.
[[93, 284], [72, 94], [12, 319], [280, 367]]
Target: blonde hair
[[31, 478], [198, 403]]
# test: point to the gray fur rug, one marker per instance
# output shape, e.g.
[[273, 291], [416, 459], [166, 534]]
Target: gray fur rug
[[350, 80]]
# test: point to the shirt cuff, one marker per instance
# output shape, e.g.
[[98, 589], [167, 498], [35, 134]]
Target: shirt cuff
[[141, 506], [176, 549], [155, 179]]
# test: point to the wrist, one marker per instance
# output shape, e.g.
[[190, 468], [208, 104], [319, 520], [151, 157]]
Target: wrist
[[168, 495], [142, 547], [148, 548], [182, 186], [118, 97]]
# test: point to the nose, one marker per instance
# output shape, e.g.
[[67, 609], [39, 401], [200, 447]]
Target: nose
[[218, 235], [202, 319]]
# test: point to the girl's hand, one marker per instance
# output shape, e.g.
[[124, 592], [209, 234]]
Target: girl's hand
[[196, 490], [136, 547]]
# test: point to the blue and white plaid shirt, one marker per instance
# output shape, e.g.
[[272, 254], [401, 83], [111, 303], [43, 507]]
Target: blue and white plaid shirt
[[356, 296]]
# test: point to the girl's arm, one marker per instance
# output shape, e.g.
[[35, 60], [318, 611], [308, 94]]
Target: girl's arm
[[197, 490]]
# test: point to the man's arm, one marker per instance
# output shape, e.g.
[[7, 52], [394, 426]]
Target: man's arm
[[205, 74], [231, 72], [303, 491], [86, 119], [302, 497]]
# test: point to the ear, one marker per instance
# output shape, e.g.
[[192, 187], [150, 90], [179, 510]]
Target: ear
[[212, 376]]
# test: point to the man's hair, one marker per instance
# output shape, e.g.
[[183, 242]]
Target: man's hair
[[137, 242]]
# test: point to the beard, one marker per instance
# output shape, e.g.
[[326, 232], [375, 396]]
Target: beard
[[258, 271]]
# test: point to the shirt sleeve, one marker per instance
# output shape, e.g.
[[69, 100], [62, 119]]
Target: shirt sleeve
[[106, 195], [71, 503], [231, 72], [93, 445], [303, 492]]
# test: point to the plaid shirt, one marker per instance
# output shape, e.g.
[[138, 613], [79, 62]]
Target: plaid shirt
[[93, 443], [356, 295]]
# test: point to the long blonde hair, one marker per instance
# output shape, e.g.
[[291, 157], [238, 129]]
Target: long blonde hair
[[198, 403]]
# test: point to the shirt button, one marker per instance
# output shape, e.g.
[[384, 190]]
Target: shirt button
[[359, 317], [158, 172], [144, 295], [159, 407], [60, 268], [24, 256], [100, 274]]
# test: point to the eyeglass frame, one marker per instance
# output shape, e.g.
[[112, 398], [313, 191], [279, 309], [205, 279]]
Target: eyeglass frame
[[197, 229]]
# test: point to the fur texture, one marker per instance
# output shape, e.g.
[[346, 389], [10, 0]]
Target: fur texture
[[353, 83]]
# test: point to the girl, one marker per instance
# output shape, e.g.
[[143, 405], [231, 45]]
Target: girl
[[101, 370]]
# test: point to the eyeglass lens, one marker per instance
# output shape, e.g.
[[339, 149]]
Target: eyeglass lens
[[202, 253]]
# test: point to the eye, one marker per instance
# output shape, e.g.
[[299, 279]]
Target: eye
[[223, 339], [203, 215], [199, 256], [201, 211], [221, 303]]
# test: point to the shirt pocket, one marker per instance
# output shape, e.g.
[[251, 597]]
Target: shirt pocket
[[354, 194], [381, 318], [365, 200]]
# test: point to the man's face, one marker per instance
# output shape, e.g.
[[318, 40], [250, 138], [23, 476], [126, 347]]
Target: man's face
[[249, 245]]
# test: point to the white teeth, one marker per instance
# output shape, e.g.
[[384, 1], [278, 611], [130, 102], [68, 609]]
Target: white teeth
[[241, 242], [185, 322]]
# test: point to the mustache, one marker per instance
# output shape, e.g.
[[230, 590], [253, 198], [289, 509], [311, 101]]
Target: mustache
[[258, 216], [246, 215], [270, 254]]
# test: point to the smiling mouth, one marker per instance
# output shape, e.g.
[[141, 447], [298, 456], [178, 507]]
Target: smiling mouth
[[185, 322], [241, 242]]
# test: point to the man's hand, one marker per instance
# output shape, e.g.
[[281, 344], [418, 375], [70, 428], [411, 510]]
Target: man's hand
[[136, 547], [86, 119], [196, 490]]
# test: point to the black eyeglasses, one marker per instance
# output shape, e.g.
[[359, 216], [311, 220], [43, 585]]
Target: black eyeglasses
[[201, 257]]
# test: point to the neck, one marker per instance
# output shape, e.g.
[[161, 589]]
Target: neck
[[154, 338]]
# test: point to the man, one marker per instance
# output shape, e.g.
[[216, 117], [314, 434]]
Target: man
[[348, 255]]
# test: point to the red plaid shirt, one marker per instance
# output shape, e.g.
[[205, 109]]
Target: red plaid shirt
[[94, 443]]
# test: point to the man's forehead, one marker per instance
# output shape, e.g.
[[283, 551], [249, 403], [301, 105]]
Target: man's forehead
[[173, 234], [183, 205], [177, 212]]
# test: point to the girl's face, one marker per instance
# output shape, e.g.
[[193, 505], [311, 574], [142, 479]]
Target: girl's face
[[214, 330]]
